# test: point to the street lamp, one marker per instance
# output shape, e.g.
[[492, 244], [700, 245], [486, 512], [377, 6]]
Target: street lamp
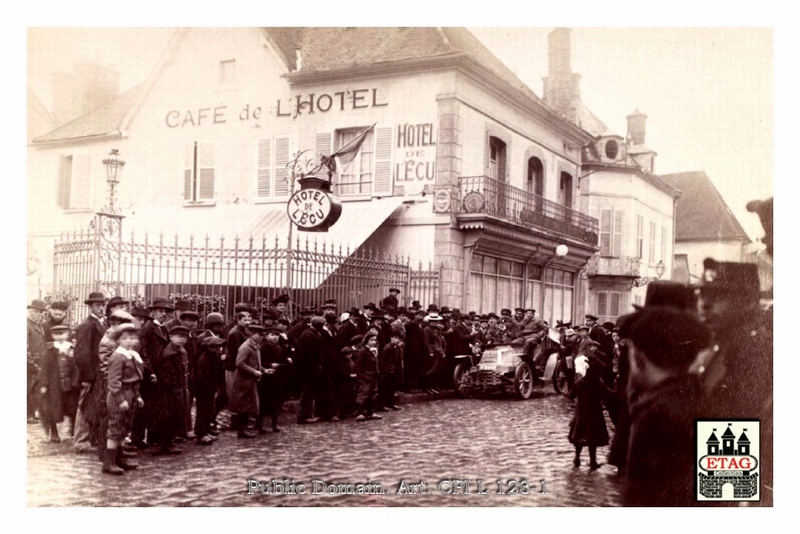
[[562, 250], [114, 165], [660, 268], [643, 281]]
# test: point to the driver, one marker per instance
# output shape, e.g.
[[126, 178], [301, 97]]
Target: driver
[[532, 329]]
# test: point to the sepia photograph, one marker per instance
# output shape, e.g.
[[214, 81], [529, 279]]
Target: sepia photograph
[[399, 266]]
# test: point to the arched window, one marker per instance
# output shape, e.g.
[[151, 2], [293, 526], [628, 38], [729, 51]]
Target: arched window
[[535, 183]]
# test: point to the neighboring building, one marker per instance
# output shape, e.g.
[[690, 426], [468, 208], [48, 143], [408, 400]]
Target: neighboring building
[[445, 176], [617, 186], [705, 226], [40, 120]]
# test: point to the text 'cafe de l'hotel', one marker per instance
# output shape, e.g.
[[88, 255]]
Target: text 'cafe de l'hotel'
[[466, 168]]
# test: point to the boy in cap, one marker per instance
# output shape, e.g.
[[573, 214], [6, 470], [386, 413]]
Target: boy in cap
[[244, 400], [171, 368], [235, 338], [367, 370], [58, 384], [349, 406], [390, 367], [270, 387], [190, 320], [279, 304], [208, 379], [125, 372], [107, 347]]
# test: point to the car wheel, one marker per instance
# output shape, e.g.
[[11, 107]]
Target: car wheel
[[523, 381], [461, 380], [560, 378]]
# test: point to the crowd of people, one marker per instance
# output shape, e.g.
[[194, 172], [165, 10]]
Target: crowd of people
[[128, 379]]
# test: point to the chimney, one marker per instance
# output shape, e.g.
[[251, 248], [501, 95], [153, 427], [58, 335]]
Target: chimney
[[636, 129], [561, 84], [88, 87]]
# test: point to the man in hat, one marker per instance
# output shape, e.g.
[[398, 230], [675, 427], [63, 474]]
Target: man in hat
[[215, 323], [664, 401], [738, 376], [87, 359], [270, 387], [115, 303], [169, 404], [153, 338], [309, 354], [190, 320], [180, 307], [391, 299], [208, 381], [57, 313], [415, 306], [413, 351], [596, 331], [348, 329], [279, 304], [140, 316], [434, 351], [36, 350], [330, 379], [300, 324]]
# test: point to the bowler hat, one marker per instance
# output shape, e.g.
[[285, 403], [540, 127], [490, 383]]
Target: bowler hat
[[117, 331], [138, 311], [38, 305], [355, 340], [433, 308], [255, 328], [183, 305], [59, 305], [370, 306], [214, 318], [415, 304], [116, 300], [189, 314], [179, 330], [161, 303], [667, 293], [445, 309], [591, 317], [95, 297], [280, 299], [394, 290], [608, 325], [378, 314]]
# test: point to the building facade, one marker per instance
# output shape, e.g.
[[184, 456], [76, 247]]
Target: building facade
[[617, 186], [465, 167]]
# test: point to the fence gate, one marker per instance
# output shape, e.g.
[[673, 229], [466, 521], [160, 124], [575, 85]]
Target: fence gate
[[215, 274]]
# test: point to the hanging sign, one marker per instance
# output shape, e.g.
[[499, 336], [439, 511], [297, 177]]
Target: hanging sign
[[314, 208]]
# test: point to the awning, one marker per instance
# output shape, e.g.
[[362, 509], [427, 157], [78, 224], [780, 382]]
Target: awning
[[244, 245]]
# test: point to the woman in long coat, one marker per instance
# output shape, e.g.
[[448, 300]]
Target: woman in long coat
[[243, 400], [588, 425]]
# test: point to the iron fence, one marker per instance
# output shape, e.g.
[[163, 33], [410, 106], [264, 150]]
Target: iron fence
[[481, 194], [215, 274]]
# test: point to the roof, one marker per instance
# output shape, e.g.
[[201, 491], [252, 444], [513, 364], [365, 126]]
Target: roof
[[103, 120], [589, 121], [728, 433], [328, 49], [713, 438], [701, 213], [743, 438]]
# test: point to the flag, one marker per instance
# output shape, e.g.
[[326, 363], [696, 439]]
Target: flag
[[347, 153]]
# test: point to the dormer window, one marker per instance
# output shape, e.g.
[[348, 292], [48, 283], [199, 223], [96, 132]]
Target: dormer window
[[612, 149]]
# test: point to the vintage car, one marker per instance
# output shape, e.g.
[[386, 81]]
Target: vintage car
[[508, 369]]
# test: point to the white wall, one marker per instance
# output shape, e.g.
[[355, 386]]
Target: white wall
[[697, 251]]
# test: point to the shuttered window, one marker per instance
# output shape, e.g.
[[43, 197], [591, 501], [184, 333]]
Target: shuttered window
[[281, 160], [639, 236], [610, 232], [264, 183], [652, 243], [199, 172], [64, 181], [610, 305], [664, 243], [383, 161]]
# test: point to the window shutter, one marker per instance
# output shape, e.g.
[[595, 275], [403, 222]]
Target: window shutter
[[605, 231], [602, 304], [613, 305], [81, 181], [264, 188], [188, 172], [617, 240], [64, 170], [382, 184], [281, 172], [324, 144], [205, 164]]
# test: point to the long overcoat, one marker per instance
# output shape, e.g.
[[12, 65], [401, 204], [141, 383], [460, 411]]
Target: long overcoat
[[50, 406], [168, 404], [244, 396], [367, 370]]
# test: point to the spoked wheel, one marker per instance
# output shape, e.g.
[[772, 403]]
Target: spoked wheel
[[523, 381], [560, 378], [461, 380]]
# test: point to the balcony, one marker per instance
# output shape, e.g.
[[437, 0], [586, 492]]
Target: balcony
[[493, 198], [627, 266]]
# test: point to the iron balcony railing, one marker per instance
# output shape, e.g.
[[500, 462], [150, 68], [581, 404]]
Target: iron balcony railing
[[629, 266], [481, 194]]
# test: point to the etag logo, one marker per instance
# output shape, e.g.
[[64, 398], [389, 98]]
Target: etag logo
[[727, 460]]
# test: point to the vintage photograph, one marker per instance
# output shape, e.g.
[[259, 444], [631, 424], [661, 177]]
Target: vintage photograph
[[399, 267]]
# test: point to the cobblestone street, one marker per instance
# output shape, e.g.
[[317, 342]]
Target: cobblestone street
[[489, 439]]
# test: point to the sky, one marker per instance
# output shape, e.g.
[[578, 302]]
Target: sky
[[708, 93]]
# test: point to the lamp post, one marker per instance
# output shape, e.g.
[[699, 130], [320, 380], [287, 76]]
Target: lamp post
[[660, 268], [643, 281], [109, 223]]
